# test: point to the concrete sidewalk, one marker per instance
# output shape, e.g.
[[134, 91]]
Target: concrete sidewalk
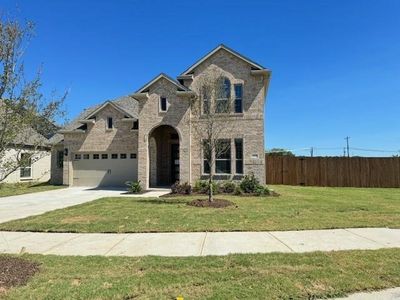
[[388, 294], [22, 206], [198, 243]]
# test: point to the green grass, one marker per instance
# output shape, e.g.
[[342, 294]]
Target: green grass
[[255, 276], [12, 189], [297, 208]]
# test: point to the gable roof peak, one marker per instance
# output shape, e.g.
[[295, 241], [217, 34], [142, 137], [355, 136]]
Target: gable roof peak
[[255, 65], [158, 77]]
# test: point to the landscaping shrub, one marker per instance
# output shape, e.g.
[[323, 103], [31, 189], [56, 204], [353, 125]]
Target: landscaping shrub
[[183, 189], [228, 187], [134, 187], [201, 186], [238, 190], [262, 191], [249, 184]]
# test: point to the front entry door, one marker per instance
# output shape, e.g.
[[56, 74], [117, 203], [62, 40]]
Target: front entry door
[[174, 163]]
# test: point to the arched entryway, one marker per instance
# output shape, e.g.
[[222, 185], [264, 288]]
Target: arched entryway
[[164, 156]]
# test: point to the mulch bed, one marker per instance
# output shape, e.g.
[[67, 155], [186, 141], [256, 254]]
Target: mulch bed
[[15, 271], [217, 203]]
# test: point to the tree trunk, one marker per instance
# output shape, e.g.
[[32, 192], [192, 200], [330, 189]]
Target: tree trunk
[[210, 189]]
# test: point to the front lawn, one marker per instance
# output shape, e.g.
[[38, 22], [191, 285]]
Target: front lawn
[[12, 189], [297, 208], [251, 276]]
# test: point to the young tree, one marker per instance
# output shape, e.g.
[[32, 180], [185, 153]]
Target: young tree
[[26, 118], [211, 123]]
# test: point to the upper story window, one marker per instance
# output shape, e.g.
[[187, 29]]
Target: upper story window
[[223, 96], [109, 123], [135, 125], [238, 98], [206, 101], [163, 104]]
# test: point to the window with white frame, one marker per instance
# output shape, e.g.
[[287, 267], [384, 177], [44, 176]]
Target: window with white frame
[[206, 157], [163, 104], [238, 98], [239, 155], [26, 165], [206, 101], [77, 156], [223, 157], [86, 156], [223, 96]]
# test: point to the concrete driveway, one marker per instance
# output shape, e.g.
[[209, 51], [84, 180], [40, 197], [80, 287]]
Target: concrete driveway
[[22, 206]]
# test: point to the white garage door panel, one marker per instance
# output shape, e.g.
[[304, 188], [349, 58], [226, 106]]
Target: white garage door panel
[[104, 172]]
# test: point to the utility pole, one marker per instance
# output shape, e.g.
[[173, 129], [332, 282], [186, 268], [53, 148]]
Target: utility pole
[[312, 151], [348, 148], [344, 151]]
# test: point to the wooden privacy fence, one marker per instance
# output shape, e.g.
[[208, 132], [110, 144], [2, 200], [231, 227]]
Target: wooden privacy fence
[[333, 171]]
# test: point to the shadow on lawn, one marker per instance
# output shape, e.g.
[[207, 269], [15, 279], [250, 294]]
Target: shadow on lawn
[[162, 201]]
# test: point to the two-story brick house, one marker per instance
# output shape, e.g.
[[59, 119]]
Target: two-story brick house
[[149, 135]]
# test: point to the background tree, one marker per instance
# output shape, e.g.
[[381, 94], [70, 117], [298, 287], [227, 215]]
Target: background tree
[[27, 118], [279, 152], [211, 122]]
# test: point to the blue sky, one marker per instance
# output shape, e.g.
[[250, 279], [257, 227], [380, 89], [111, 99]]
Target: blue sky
[[335, 64]]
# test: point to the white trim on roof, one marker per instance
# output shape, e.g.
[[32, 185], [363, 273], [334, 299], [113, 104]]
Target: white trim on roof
[[158, 78], [216, 50], [104, 105]]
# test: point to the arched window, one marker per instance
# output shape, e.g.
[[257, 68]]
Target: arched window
[[223, 96]]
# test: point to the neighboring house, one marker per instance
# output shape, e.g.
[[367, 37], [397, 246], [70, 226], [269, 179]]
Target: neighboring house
[[148, 136], [39, 168]]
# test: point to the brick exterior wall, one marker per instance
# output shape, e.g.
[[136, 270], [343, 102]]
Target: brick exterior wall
[[248, 125], [177, 116], [98, 139]]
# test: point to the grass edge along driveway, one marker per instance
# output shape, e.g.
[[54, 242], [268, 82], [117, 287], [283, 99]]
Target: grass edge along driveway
[[14, 189], [297, 208]]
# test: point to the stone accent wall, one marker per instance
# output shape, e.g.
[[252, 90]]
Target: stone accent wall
[[98, 139]]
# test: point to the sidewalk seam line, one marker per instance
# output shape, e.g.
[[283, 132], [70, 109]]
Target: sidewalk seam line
[[116, 244], [203, 243], [62, 243], [279, 240], [368, 239]]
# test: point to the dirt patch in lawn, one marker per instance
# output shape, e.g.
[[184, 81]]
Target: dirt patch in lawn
[[15, 271], [80, 219], [217, 203]]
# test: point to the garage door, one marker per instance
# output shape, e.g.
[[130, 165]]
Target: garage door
[[104, 169]]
